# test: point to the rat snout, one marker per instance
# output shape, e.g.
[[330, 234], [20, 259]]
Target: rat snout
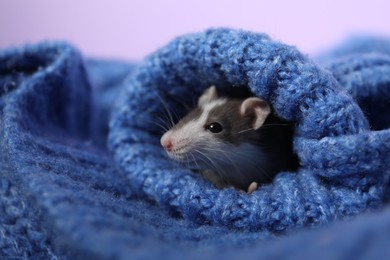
[[166, 141]]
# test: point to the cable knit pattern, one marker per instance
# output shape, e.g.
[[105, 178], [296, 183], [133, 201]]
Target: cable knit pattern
[[64, 195]]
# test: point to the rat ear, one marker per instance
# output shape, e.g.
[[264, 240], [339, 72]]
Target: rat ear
[[257, 108], [207, 96]]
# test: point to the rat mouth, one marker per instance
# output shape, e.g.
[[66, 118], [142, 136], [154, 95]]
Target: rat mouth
[[181, 156], [186, 159], [195, 155]]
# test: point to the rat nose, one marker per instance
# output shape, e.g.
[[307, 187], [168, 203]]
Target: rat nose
[[166, 142], [168, 145]]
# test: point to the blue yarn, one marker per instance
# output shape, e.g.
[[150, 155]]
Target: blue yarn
[[64, 195], [340, 171]]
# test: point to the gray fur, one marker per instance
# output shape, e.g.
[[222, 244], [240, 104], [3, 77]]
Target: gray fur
[[236, 128], [239, 154]]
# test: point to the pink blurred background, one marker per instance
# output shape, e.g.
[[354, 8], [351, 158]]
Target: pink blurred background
[[132, 29]]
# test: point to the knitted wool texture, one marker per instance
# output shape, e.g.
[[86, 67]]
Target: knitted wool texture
[[63, 195], [342, 162]]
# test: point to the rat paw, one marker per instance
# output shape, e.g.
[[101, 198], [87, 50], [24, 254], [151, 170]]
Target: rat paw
[[252, 187]]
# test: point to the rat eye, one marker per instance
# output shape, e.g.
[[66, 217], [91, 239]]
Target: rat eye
[[214, 127]]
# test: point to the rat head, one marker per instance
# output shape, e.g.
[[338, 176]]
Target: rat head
[[217, 126]]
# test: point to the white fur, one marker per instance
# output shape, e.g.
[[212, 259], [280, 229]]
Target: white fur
[[193, 134]]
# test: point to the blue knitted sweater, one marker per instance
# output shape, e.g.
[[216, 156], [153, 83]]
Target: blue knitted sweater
[[63, 194]]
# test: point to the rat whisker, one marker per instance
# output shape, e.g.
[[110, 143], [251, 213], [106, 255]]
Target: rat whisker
[[149, 120], [231, 163], [270, 125], [228, 155], [214, 165], [164, 123], [161, 126], [196, 161], [166, 108], [245, 130], [245, 159], [188, 161], [203, 155]]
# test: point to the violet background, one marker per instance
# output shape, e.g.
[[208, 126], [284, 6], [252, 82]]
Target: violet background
[[132, 29]]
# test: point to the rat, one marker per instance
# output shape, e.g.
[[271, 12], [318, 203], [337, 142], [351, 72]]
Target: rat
[[232, 142]]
